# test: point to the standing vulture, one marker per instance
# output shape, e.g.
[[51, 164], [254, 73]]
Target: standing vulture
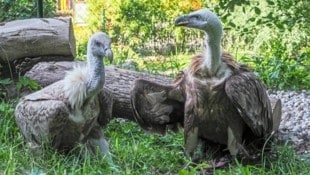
[[72, 110], [224, 102]]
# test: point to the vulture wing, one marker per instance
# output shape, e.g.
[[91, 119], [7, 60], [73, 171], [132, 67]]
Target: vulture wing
[[249, 97], [153, 109], [42, 115], [106, 106], [41, 120], [51, 92]]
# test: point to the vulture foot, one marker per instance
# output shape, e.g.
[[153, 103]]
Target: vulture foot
[[233, 144], [35, 148], [191, 142], [97, 144], [221, 163]]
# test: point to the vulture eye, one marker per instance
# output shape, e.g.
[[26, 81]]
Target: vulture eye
[[196, 17], [97, 43]]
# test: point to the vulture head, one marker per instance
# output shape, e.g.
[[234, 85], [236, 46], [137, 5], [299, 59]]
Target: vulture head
[[204, 20], [100, 46]]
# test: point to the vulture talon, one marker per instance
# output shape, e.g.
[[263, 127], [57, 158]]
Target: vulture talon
[[163, 119]]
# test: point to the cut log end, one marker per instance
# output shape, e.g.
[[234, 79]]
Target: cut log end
[[36, 37]]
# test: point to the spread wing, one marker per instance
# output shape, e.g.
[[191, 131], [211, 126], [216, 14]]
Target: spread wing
[[153, 109], [249, 97]]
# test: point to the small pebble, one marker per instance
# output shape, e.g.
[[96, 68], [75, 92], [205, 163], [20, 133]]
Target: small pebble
[[295, 124]]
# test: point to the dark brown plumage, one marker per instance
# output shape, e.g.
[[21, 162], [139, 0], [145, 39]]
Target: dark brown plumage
[[153, 109], [224, 102], [222, 111]]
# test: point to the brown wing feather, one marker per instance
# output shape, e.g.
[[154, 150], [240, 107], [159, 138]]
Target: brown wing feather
[[249, 96], [153, 109], [41, 119], [106, 106]]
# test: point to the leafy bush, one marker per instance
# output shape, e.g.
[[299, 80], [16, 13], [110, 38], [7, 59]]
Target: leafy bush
[[3, 83], [271, 36], [278, 69], [143, 29], [139, 24], [21, 9]]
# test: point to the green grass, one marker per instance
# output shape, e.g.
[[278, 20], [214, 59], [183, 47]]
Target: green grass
[[134, 152]]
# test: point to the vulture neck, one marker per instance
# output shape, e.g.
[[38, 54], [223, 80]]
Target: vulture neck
[[212, 53], [96, 76]]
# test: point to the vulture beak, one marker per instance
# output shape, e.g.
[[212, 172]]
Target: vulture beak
[[182, 21], [109, 54]]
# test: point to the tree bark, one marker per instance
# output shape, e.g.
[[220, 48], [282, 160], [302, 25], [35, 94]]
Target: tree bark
[[36, 37], [118, 81]]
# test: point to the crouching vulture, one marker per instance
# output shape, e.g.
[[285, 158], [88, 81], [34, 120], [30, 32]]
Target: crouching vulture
[[72, 110], [216, 99]]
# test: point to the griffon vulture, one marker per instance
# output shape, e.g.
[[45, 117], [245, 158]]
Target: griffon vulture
[[72, 110], [223, 101]]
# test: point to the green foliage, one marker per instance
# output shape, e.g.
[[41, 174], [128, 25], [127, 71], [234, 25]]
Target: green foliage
[[282, 14], [25, 82], [280, 70], [142, 30], [21, 9], [165, 65], [123, 53], [271, 36], [6, 81], [3, 84], [288, 14], [139, 24], [8, 129]]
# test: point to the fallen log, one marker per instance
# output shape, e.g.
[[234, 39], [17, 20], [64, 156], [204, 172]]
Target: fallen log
[[36, 37], [118, 81]]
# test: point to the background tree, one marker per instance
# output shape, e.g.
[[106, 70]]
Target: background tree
[[21, 9]]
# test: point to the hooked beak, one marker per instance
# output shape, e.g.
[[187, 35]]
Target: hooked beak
[[182, 21], [109, 55]]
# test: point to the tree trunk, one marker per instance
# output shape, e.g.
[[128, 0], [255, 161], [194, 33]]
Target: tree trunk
[[36, 37], [118, 81]]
